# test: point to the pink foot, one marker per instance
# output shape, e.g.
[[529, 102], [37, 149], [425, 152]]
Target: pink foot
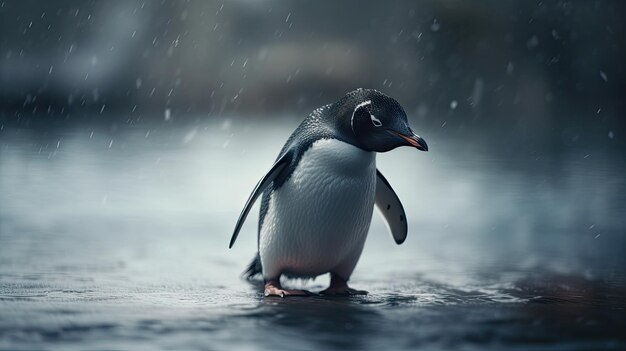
[[339, 286], [273, 288]]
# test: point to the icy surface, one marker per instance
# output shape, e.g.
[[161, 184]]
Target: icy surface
[[119, 241]]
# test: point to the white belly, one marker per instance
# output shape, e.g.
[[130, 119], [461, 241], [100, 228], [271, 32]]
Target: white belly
[[318, 220]]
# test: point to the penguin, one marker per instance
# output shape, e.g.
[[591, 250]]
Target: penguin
[[319, 195]]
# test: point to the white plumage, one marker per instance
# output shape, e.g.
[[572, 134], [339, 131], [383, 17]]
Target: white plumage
[[318, 220]]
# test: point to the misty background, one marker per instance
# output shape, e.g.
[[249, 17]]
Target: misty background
[[530, 75]]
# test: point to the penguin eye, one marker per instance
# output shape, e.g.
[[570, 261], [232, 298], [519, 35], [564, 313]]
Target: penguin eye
[[375, 121]]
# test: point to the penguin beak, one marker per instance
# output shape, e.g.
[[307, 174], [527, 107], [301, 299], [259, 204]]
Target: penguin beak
[[413, 140]]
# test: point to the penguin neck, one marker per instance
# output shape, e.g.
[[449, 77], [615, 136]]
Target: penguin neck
[[340, 157], [338, 118]]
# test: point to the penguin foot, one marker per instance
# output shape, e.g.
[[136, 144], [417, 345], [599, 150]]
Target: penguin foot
[[339, 287], [273, 288]]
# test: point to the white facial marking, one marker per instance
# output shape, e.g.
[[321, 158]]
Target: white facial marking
[[364, 103], [375, 121]]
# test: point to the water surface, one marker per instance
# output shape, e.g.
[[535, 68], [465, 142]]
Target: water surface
[[118, 240]]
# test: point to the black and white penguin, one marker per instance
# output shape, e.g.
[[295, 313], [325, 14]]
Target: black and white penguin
[[319, 196]]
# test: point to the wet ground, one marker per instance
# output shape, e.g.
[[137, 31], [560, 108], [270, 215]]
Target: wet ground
[[118, 240]]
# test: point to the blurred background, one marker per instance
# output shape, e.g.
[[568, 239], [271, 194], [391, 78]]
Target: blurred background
[[131, 133], [548, 73]]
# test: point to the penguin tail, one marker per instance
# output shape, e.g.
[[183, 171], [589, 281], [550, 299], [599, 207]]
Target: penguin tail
[[254, 268]]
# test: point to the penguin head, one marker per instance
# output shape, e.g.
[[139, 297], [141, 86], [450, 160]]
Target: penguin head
[[377, 121]]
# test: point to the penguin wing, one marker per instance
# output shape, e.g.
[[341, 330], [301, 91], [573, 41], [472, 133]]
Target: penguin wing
[[391, 208], [277, 170]]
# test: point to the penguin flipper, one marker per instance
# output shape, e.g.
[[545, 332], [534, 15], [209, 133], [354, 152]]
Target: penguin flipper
[[391, 208], [277, 169]]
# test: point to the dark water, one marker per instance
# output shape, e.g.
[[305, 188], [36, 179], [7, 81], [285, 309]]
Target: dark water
[[118, 240]]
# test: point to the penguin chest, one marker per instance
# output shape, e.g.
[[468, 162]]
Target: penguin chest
[[319, 218]]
